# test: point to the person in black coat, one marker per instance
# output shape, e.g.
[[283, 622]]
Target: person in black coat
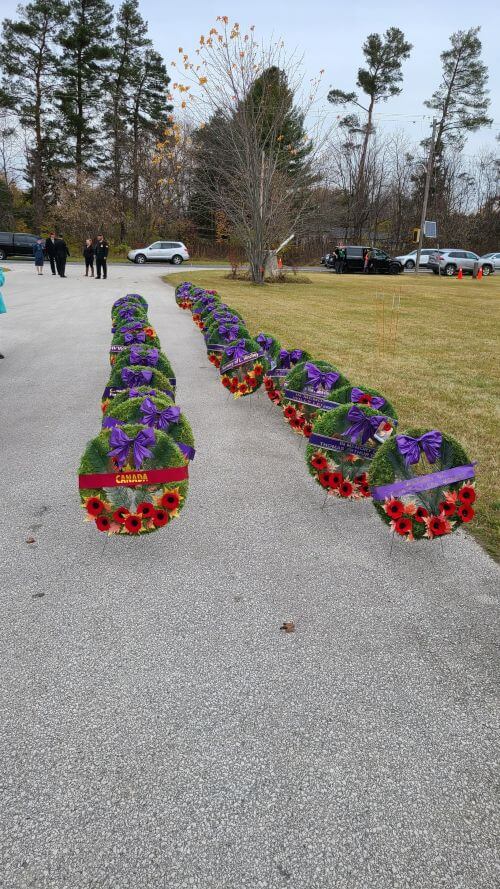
[[61, 253], [101, 255], [50, 251], [88, 253]]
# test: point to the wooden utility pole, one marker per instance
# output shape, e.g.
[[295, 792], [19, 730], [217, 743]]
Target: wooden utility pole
[[428, 175]]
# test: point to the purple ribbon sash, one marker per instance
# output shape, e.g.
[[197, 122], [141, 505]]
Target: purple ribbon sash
[[424, 482], [239, 362], [313, 400], [338, 444]]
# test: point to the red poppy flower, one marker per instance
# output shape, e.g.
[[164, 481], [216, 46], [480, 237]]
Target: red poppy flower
[[104, 406], [94, 506], [337, 479], [394, 508], [120, 515], [365, 399], [211, 358], [289, 412], [160, 518], [307, 430], [226, 382], [248, 379], [216, 362], [345, 488], [437, 526], [295, 424], [133, 523], [402, 526], [243, 388], [360, 479], [146, 510], [447, 507], [386, 427], [268, 384], [149, 331], [364, 490], [103, 523], [258, 370], [301, 421], [319, 462], [467, 494], [233, 385], [466, 512], [171, 500], [420, 514], [325, 479]]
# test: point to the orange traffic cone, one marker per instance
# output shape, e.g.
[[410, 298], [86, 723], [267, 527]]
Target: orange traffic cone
[[460, 273], [280, 263], [479, 274]]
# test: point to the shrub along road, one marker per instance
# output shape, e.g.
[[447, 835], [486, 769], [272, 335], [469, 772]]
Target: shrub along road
[[156, 727]]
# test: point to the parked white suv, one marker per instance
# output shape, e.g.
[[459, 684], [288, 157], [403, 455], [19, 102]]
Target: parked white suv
[[161, 251], [409, 259], [448, 262]]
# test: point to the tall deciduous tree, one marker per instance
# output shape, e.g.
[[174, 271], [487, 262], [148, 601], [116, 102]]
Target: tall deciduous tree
[[28, 60], [86, 48], [461, 101], [379, 80]]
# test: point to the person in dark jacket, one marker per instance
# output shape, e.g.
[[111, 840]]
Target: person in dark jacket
[[101, 255], [88, 253], [61, 253], [50, 250], [39, 255]]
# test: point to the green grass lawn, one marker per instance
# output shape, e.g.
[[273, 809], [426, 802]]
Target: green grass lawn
[[436, 357]]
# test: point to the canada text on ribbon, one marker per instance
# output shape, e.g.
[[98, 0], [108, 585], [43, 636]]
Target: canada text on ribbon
[[132, 478]]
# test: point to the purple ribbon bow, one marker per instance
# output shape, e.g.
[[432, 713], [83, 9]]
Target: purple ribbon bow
[[286, 358], [134, 393], [131, 325], [375, 401], [319, 378], [149, 357], [362, 426], [127, 314], [430, 443], [151, 416], [121, 444], [237, 351], [264, 341], [133, 377], [228, 331], [136, 336]]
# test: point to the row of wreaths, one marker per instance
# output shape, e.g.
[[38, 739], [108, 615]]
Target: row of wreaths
[[133, 477], [420, 481]]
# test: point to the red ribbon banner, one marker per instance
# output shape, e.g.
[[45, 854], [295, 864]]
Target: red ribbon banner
[[131, 478]]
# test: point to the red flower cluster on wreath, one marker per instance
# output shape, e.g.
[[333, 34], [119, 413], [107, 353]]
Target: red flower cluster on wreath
[[122, 521], [245, 386], [406, 517], [215, 360], [272, 393], [334, 482], [297, 420]]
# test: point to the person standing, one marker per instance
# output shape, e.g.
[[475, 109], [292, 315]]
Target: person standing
[[88, 253], [342, 258], [38, 253], [50, 249], [61, 253], [101, 256]]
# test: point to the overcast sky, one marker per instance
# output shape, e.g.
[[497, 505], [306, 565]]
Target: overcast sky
[[330, 35]]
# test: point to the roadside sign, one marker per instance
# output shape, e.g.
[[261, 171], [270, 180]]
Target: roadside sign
[[430, 229]]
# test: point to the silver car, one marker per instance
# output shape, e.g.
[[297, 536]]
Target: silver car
[[161, 251], [448, 262], [409, 259], [490, 262]]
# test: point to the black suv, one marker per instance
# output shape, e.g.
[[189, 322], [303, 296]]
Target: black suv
[[16, 244], [380, 262]]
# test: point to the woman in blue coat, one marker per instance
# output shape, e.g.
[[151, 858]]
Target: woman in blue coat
[[39, 256]]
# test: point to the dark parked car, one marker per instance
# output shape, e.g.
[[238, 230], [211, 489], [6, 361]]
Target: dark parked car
[[16, 244], [381, 263]]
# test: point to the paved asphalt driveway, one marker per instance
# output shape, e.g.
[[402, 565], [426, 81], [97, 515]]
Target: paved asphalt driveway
[[156, 728]]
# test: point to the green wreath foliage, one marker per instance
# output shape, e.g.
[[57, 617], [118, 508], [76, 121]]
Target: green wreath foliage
[[165, 454], [333, 424], [388, 466], [164, 366], [123, 397], [212, 334], [127, 410], [343, 396]]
